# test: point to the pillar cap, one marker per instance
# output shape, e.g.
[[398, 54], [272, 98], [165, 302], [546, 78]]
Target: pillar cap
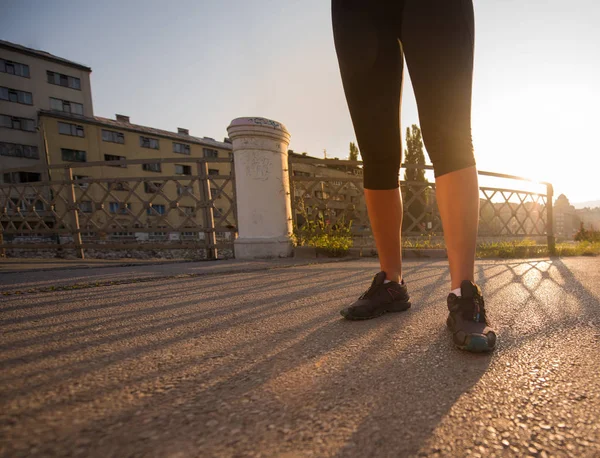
[[257, 121]]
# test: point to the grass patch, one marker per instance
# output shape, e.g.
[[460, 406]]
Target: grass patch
[[529, 249]]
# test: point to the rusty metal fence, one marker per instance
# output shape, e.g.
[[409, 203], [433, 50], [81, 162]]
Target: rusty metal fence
[[105, 206], [330, 192]]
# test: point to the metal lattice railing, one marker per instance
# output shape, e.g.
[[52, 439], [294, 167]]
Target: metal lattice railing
[[114, 209], [330, 191]]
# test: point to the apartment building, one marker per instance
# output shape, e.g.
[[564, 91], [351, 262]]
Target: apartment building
[[33, 80], [148, 194], [566, 220]]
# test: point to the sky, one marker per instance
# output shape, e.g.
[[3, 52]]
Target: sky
[[198, 64]]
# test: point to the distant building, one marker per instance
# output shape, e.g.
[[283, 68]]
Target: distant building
[[32, 80], [590, 217], [78, 139], [566, 219]]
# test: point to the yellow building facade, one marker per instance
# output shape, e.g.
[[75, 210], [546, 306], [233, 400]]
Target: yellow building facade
[[163, 189]]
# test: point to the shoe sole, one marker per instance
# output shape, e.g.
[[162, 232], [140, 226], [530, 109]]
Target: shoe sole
[[394, 308]]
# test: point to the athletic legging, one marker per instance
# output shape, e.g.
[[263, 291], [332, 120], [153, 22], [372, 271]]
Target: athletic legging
[[437, 39]]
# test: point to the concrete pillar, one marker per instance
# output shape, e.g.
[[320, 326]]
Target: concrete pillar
[[264, 212]]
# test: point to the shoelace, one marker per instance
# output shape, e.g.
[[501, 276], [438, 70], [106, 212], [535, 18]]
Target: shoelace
[[473, 309], [369, 291]]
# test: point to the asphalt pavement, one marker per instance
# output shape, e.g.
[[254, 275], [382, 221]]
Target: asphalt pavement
[[254, 360]]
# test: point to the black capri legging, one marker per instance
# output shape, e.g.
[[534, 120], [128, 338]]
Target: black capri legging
[[437, 39]]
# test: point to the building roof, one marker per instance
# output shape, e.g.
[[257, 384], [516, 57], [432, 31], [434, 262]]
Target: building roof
[[97, 120], [42, 55]]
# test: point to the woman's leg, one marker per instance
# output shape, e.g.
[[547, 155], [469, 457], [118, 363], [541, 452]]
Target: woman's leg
[[457, 196], [385, 215], [370, 60], [438, 40]]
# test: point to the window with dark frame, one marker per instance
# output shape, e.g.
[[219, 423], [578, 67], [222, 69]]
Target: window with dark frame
[[14, 122], [150, 187], [119, 186], [119, 207], [63, 80], [147, 142], [66, 106], [81, 184], [113, 157], [181, 148], [85, 206], [211, 153], [152, 167], [16, 96], [14, 68], [213, 171], [183, 169], [17, 150], [66, 128], [113, 136], [21, 177], [72, 155], [156, 209]]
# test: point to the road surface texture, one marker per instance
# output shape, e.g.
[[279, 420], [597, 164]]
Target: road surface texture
[[259, 363]]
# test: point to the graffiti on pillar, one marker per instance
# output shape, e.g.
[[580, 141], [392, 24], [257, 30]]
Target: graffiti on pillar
[[258, 166], [265, 122]]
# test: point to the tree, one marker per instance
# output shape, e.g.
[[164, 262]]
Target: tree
[[353, 152], [416, 195]]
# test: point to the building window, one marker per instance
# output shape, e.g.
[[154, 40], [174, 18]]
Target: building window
[[66, 128], [66, 106], [63, 80], [119, 207], [118, 186], [147, 142], [82, 185], [14, 95], [185, 189], [181, 148], [211, 153], [112, 157], [72, 155], [218, 212], [14, 68], [151, 188], [85, 206], [299, 173], [183, 169], [214, 193], [152, 167], [112, 136], [22, 177], [156, 209], [15, 150], [188, 211], [13, 122], [213, 171]]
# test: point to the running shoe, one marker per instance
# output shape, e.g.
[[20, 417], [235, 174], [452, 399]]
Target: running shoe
[[467, 320], [378, 299]]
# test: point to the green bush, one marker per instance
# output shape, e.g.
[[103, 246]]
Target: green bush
[[584, 235], [333, 239]]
